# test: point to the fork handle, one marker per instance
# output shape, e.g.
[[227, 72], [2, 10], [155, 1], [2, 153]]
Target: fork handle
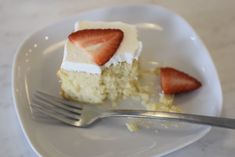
[[192, 118]]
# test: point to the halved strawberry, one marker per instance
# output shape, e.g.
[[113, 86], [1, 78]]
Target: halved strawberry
[[100, 44], [174, 81]]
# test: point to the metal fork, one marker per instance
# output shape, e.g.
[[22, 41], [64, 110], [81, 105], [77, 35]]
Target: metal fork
[[84, 115]]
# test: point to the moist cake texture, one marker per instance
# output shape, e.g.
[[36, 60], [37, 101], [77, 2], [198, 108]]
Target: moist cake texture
[[116, 82], [84, 80]]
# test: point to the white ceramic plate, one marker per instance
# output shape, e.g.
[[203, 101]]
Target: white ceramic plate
[[167, 38]]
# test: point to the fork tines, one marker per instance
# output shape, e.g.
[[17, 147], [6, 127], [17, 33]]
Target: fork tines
[[57, 108], [60, 100]]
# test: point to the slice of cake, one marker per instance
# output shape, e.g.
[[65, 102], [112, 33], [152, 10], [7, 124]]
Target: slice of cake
[[100, 62]]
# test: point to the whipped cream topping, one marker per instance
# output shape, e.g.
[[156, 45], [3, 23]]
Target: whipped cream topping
[[76, 60]]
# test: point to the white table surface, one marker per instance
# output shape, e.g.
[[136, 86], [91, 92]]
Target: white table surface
[[213, 20]]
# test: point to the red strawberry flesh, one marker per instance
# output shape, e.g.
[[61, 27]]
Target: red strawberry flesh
[[174, 81], [99, 44]]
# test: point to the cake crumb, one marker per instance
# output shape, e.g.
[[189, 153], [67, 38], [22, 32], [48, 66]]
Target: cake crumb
[[132, 126]]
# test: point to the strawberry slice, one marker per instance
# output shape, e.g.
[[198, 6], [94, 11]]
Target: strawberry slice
[[174, 81], [99, 44]]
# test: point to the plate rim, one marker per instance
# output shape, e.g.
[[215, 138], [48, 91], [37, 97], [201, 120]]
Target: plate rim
[[143, 5], [13, 92]]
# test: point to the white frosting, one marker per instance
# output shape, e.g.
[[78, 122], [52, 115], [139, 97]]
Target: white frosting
[[76, 60]]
